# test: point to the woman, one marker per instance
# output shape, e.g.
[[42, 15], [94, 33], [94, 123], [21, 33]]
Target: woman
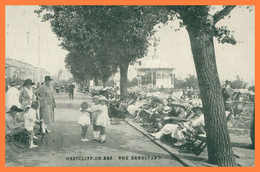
[[47, 102], [27, 94], [12, 96]]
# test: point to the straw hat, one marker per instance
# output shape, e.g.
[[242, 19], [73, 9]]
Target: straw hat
[[166, 109], [102, 98]]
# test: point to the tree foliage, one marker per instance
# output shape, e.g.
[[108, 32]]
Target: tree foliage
[[104, 37], [190, 81], [238, 83]]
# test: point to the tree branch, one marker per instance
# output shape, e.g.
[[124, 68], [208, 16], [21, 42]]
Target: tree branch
[[221, 14]]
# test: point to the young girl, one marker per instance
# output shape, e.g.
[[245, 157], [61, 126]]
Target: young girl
[[30, 117], [102, 119], [84, 120], [95, 112]]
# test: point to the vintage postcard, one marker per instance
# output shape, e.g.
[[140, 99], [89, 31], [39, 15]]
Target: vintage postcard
[[129, 86]]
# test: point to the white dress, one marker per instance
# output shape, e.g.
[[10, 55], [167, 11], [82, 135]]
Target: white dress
[[103, 118], [84, 119], [12, 98]]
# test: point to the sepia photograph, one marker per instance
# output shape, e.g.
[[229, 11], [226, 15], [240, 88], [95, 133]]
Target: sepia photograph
[[129, 86]]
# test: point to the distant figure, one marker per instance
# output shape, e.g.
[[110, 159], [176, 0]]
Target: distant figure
[[71, 90], [12, 96], [227, 92]]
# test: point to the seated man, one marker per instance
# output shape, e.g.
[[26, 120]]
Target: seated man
[[158, 117], [195, 122], [11, 122], [178, 114], [30, 118]]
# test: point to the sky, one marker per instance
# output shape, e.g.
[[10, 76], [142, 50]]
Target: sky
[[173, 48]]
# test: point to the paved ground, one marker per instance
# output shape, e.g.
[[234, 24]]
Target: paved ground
[[124, 147], [122, 141]]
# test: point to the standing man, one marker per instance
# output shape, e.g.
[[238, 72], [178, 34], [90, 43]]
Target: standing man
[[71, 90], [47, 102]]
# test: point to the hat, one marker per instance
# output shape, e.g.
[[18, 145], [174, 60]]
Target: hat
[[27, 82], [102, 98], [28, 106], [47, 78], [166, 109], [95, 97], [13, 83], [14, 108]]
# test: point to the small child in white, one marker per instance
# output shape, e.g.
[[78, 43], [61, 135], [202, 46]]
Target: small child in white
[[30, 117], [103, 119], [84, 120]]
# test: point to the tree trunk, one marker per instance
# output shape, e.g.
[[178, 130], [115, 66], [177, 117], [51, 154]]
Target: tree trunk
[[104, 81], [123, 79], [96, 81], [252, 130], [218, 140]]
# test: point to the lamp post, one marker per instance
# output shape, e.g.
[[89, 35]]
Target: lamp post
[[38, 56]]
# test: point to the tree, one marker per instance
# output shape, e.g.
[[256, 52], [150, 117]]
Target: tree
[[251, 88], [123, 31], [87, 56], [202, 28], [133, 82], [190, 81], [238, 83]]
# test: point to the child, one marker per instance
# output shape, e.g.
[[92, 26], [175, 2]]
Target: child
[[95, 111], [102, 119], [84, 120], [30, 117]]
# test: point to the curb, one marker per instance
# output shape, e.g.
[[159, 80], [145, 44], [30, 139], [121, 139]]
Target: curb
[[185, 162]]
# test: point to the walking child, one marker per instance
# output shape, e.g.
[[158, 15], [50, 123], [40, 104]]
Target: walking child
[[102, 119], [84, 120]]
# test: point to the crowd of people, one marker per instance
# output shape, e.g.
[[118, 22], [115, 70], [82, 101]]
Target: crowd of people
[[162, 115], [22, 106]]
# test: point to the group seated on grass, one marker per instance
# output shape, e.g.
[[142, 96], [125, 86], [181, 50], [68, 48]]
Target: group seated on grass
[[167, 118]]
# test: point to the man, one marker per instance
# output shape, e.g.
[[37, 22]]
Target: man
[[12, 96], [71, 90], [11, 121]]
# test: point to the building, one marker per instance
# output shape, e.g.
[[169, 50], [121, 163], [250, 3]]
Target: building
[[155, 73], [15, 69]]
